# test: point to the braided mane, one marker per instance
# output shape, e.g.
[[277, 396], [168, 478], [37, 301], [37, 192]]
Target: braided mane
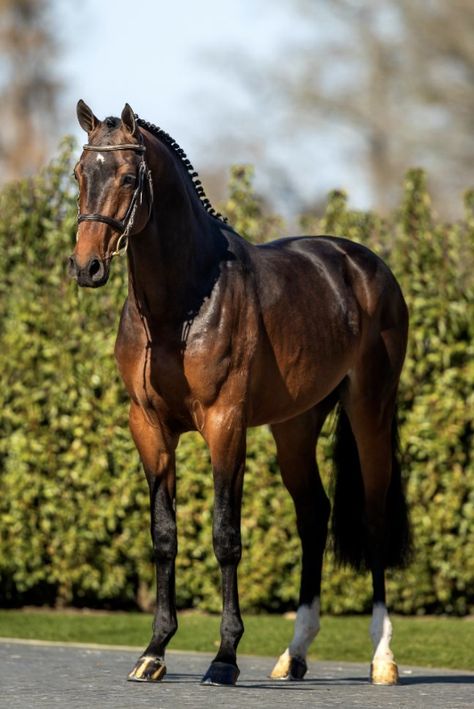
[[196, 182]]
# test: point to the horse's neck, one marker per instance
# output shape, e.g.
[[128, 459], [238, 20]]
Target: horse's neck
[[171, 264], [173, 260]]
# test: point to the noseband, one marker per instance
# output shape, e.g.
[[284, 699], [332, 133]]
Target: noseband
[[125, 225]]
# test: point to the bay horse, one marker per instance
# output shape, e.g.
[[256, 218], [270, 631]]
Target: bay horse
[[217, 335]]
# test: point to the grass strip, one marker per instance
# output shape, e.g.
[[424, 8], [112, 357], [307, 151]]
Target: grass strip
[[426, 642]]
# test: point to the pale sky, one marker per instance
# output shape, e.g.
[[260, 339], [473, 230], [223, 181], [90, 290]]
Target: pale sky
[[170, 61], [158, 55]]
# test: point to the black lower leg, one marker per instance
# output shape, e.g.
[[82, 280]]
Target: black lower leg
[[375, 536], [378, 582], [164, 536], [228, 550], [150, 666], [312, 522], [232, 627]]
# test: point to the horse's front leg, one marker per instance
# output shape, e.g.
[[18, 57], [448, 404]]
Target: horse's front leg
[[157, 451], [225, 435]]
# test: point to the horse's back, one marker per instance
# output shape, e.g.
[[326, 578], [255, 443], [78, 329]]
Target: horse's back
[[331, 274]]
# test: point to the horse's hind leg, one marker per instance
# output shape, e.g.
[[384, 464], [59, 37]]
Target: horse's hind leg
[[374, 447], [296, 443], [383, 531]]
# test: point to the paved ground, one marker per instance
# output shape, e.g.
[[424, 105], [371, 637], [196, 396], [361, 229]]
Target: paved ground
[[47, 676]]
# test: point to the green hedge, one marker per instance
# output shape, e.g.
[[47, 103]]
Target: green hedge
[[74, 504]]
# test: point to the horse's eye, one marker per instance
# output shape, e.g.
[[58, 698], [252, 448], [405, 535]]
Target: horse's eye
[[128, 180]]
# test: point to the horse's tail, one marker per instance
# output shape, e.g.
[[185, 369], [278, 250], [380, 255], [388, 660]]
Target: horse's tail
[[348, 520]]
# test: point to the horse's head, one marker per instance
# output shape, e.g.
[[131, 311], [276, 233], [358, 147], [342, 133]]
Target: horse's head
[[113, 178]]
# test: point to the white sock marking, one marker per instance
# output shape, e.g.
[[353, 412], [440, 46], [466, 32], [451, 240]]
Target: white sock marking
[[306, 628], [381, 632]]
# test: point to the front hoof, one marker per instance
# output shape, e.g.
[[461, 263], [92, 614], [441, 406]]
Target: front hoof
[[289, 668], [148, 669], [384, 672], [221, 673]]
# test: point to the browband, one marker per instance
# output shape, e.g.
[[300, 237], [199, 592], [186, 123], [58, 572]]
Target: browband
[[124, 146]]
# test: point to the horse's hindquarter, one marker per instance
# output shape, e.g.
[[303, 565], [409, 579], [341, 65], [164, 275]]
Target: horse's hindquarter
[[317, 298]]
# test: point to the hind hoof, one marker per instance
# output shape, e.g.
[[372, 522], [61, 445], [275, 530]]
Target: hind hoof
[[289, 668], [221, 674], [384, 672], [148, 669]]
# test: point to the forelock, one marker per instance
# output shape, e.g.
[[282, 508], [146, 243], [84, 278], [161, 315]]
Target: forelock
[[107, 130]]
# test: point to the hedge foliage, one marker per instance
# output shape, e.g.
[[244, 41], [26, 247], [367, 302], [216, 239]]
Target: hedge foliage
[[74, 505]]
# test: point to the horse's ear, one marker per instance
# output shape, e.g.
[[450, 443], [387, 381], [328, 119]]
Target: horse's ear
[[86, 118], [128, 119]]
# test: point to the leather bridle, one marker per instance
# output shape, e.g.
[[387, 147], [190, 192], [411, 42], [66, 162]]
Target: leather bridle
[[124, 225]]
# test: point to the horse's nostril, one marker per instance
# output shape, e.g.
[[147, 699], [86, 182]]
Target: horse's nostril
[[95, 267]]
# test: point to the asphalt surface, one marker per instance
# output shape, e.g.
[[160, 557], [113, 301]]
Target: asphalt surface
[[46, 675]]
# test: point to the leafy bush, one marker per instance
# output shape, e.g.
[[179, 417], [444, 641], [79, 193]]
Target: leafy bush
[[74, 503]]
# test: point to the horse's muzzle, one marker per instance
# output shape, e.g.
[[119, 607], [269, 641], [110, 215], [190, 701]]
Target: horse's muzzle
[[93, 275]]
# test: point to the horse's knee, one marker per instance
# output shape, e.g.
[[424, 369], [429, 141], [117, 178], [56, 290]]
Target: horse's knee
[[227, 544], [165, 543], [165, 547], [163, 523]]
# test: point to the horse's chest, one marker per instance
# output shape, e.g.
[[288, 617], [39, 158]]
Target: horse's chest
[[152, 375], [171, 381]]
